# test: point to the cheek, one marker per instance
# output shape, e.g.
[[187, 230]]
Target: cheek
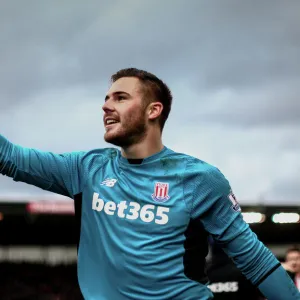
[[132, 115]]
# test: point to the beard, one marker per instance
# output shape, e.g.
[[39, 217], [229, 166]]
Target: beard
[[128, 132]]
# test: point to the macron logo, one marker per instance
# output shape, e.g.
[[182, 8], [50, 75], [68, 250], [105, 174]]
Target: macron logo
[[110, 182]]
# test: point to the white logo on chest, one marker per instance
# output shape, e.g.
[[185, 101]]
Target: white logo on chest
[[110, 182], [132, 210]]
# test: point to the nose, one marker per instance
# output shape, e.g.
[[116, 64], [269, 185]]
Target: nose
[[108, 106]]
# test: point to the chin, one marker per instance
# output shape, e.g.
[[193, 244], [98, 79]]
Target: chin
[[125, 138], [115, 139]]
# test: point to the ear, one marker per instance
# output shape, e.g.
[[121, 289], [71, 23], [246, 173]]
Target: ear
[[154, 110]]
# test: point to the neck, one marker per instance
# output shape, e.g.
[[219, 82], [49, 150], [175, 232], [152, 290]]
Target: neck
[[150, 145]]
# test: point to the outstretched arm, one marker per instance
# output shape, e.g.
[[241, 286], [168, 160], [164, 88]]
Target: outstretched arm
[[51, 172], [215, 206]]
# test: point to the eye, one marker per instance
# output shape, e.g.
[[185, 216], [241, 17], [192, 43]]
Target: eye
[[120, 98]]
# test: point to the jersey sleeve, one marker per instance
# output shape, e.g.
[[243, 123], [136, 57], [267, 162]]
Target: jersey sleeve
[[215, 206], [58, 173]]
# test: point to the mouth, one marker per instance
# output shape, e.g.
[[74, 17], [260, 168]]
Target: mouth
[[109, 122]]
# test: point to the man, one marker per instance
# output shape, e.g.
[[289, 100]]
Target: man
[[225, 280], [295, 266], [292, 262], [145, 211]]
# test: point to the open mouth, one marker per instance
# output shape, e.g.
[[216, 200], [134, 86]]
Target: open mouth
[[110, 122]]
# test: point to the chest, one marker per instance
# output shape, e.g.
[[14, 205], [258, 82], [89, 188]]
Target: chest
[[144, 199]]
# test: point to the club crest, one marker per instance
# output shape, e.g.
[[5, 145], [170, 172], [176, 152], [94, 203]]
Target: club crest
[[161, 192], [235, 204]]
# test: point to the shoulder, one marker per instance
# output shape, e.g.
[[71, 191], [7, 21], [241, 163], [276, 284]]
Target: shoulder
[[107, 152], [101, 155], [201, 174], [188, 161], [195, 166]]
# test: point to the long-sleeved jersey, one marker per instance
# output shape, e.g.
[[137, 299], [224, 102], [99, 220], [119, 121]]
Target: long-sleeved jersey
[[226, 281], [144, 224]]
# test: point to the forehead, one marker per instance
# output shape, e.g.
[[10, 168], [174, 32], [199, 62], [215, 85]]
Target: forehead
[[129, 85], [293, 254]]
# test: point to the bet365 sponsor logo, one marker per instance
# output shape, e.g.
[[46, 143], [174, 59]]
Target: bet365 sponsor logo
[[132, 210], [224, 287]]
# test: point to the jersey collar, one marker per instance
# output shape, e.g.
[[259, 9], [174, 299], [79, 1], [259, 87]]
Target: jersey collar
[[137, 162]]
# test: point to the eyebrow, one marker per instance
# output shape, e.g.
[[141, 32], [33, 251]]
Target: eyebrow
[[115, 94]]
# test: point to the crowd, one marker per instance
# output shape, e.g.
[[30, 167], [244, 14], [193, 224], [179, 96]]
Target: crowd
[[38, 282], [41, 282]]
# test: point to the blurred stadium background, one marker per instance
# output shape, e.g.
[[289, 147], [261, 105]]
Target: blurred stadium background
[[38, 244]]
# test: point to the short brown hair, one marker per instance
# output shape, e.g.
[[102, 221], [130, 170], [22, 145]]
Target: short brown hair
[[294, 248], [154, 88]]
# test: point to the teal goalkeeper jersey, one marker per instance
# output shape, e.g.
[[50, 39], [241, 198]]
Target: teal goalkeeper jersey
[[144, 223]]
